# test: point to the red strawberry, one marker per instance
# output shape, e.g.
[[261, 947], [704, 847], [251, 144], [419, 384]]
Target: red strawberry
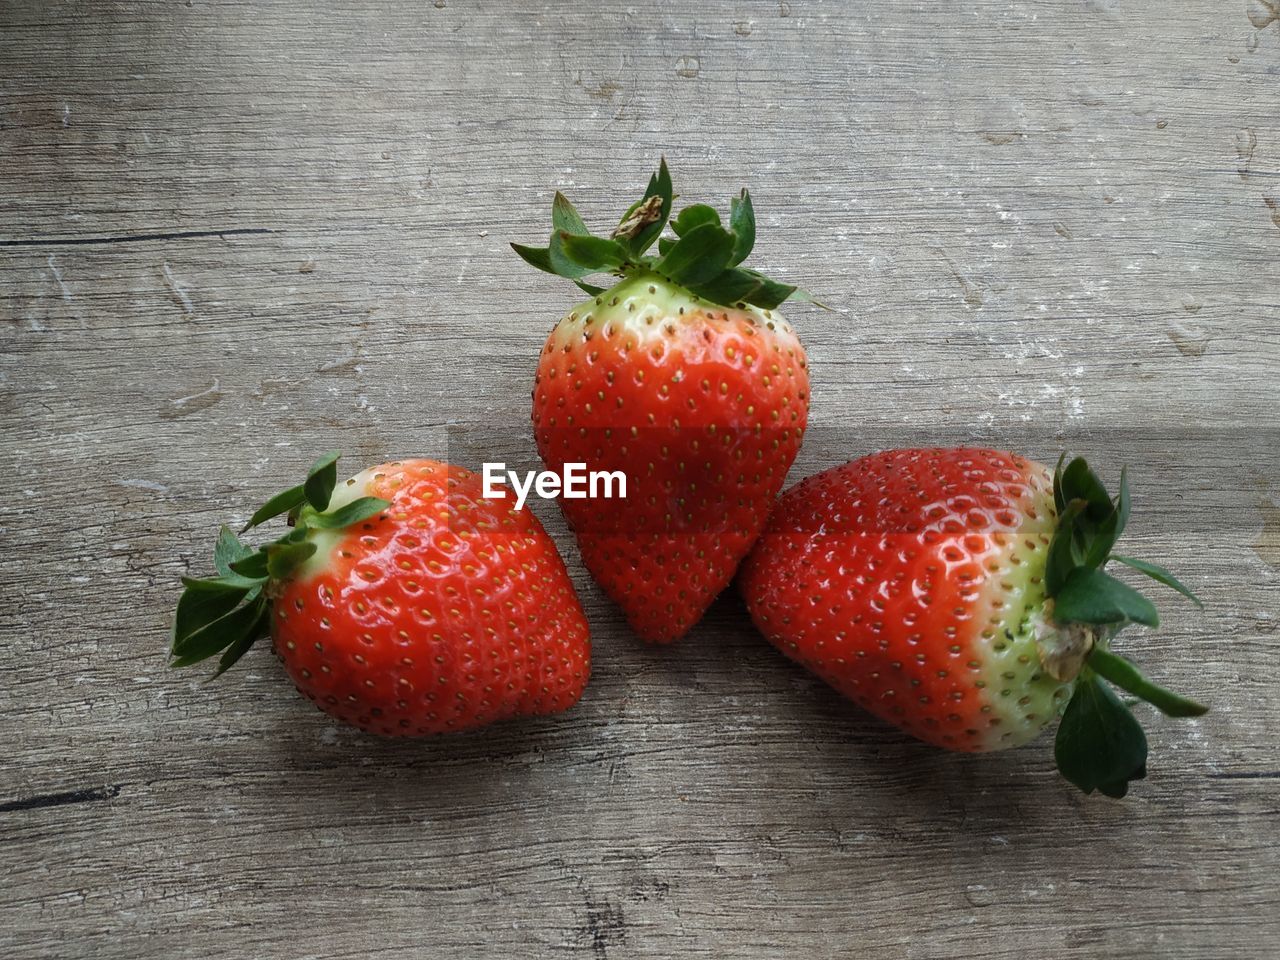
[[960, 595], [405, 603], [683, 377]]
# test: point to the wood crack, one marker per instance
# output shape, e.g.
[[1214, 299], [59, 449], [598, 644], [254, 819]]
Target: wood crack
[[134, 237], [62, 799], [1247, 775]]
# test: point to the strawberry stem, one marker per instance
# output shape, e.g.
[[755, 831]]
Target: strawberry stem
[[703, 256], [1126, 676], [1100, 744], [226, 614]]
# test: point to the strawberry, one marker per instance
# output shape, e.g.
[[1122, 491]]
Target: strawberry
[[684, 378], [404, 604], [961, 595]]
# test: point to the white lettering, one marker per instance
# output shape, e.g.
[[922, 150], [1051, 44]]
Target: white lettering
[[575, 485], [522, 491], [607, 479], [494, 473], [548, 484]]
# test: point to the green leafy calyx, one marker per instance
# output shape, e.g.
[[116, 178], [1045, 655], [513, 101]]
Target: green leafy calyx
[[704, 256], [1100, 744], [225, 614]]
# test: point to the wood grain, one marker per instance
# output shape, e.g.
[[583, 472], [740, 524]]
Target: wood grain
[[233, 235]]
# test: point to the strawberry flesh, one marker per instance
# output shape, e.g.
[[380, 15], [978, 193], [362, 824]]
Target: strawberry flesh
[[445, 612], [703, 407], [912, 581]]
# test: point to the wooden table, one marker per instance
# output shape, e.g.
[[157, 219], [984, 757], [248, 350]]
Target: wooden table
[[235, 235]]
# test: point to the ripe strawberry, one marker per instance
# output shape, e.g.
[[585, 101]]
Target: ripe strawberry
[[404, 604], [960, 595], [683, 377]]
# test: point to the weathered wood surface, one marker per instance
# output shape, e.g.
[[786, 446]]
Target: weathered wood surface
[[1042, 223]]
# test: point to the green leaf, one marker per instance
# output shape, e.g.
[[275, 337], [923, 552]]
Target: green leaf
[[694, 216], [298, 533], [565, 218], [1160, 575], [664, 245], [594, 253], [539, 257], [742, 221], [201, 604], [1059, 499], [228, 550], [738, 285], [321, 479], [1079, 482], [284, 558], [659, 186], [1123, 505], [1091, 596], [729, 287], [230, 583], [217, 634], [350, 513], [260, 628], [1109, 530], [771, 293], [1060, 561], [804, 296], [589, 289], [561, 263], [1100, 745], [280, 503], [697, 256], [1127, 677], [178, 663], [253, 566]]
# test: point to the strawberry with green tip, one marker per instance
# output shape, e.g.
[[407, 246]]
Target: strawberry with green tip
[[401, 601], [961, 595], [683, 377]]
